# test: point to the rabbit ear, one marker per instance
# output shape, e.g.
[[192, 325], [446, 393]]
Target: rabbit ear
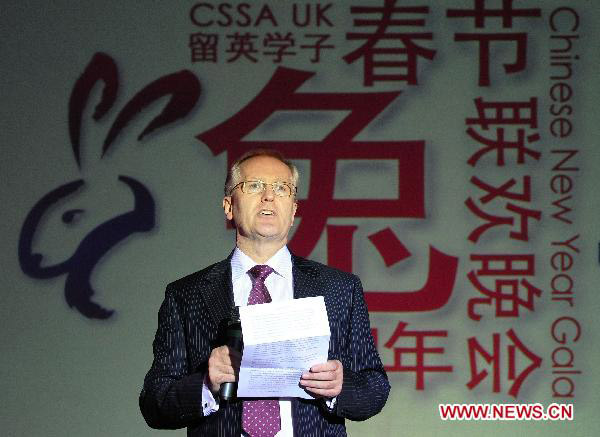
[[101, 68], [184, 89]]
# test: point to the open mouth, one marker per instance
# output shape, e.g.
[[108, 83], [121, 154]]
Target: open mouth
[[267, 212]]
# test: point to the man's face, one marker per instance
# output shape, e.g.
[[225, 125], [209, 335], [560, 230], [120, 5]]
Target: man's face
[[261, 216]]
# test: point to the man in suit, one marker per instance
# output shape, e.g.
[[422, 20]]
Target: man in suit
[[182, 387]]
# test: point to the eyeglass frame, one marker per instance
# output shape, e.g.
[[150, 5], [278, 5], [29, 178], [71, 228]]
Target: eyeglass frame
[[293, 188]]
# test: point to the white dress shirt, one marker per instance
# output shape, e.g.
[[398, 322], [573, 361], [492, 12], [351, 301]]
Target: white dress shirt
[[281, 287]]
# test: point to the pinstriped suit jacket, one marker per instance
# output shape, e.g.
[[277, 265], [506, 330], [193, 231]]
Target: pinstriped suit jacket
[[188, 321]]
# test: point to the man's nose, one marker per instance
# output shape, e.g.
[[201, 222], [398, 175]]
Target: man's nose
[[268, 193]]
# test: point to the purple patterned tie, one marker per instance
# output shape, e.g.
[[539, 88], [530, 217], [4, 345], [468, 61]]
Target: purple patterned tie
[[261, 417]]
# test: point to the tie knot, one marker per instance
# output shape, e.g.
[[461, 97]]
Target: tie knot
[[260, 272]]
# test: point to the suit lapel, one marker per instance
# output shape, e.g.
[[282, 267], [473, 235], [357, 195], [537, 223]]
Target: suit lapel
[[306, 278], [217, 290]]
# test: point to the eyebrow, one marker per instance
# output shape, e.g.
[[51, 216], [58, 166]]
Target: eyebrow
[[262, 180]]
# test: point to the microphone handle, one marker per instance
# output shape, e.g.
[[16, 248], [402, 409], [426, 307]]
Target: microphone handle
[[228, 390]]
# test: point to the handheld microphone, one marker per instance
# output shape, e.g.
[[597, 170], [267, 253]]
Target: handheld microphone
[[233, 338]]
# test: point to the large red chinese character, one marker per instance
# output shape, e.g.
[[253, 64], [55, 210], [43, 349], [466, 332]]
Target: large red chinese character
[[506, 291], [280, 95], [433, 295], [500, 144], [507, 13], [523, 215], [494, 358], [401, 62], [419, 350], [504, 114]]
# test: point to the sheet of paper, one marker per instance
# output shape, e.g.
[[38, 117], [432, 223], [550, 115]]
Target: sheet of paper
[[282, 340]]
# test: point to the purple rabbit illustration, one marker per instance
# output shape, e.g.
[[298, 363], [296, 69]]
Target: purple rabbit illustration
[[183, 90]]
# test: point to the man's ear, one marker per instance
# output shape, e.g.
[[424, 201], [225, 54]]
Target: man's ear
[[228, 207], [295, 207]]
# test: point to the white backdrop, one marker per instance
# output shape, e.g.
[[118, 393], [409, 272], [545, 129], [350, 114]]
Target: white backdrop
[[65, 374]]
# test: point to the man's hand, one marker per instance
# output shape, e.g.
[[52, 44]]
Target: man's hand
[[324, 380], [223, 366]]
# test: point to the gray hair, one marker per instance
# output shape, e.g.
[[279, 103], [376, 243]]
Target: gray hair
[[234, 176]]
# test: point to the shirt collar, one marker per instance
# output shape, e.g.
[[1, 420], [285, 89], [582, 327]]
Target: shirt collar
[[280, 262]]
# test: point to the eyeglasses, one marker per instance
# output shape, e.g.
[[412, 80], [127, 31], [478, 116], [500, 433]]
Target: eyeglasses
[[281, 189]]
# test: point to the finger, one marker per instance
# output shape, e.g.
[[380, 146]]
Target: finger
[[219, 352], [219, 361], [321, 383], [329, 384], [227, 370], [329, 393], [218, 376], [325, 367], [225, 356], [320, 376], [224, 363], [227, 377]]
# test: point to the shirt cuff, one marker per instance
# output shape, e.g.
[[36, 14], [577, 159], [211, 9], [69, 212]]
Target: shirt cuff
[[210, 405]]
